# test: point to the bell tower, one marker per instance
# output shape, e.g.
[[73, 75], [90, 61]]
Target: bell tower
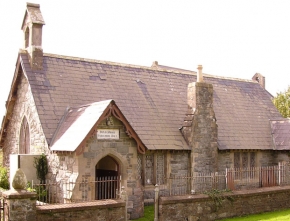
[[32, 29]]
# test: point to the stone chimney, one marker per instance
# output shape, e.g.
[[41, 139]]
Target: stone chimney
[[199, 127], [154, 64], [32, 29], [260, 79]]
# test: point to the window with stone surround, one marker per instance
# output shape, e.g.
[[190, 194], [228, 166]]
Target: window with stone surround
[[153, 165], [24, 137], [149, 168], [244, 159]]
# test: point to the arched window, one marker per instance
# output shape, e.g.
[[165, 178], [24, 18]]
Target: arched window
[[24, 139]]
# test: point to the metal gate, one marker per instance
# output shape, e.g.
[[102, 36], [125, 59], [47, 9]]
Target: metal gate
[[268, 177], [107, 187], [230, 180], [256, 177]]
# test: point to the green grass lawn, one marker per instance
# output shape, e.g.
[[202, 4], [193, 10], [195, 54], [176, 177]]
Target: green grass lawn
[[283, 215], [148, 214]]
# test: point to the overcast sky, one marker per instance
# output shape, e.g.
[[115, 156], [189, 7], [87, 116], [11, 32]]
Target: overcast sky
[[228, 37]]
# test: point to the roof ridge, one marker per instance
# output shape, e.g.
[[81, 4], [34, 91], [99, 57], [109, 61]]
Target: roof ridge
[[187, 72]]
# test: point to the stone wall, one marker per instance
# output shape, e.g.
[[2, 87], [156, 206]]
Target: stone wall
[[19, 205], [24, 106], [266, 158], [239, 203], [225, 160], [282, 156], [114, 210], [179, 163]]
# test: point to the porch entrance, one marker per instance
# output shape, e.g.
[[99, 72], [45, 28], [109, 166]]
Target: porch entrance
[[107, 178]]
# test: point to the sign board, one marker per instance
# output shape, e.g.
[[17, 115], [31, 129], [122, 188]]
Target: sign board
[[108, 134]]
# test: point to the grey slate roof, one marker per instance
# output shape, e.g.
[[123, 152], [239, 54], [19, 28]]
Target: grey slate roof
[[153, 101], [281, 133]]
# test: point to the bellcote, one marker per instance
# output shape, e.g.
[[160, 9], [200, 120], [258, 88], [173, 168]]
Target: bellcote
[[32, 29], [260, 79]]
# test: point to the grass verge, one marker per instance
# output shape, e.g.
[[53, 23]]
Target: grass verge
[[283, 215]]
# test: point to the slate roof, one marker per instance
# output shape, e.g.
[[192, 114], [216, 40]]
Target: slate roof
[[153, 101], [281, 133]]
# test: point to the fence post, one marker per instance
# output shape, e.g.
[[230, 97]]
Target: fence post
[[226, 176], [279, 173], [156, 202], [124, 197]]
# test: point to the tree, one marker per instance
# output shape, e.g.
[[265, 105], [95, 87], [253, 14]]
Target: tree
[[282, 102]]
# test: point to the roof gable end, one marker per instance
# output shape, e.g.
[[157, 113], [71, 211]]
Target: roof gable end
[[80, 123]]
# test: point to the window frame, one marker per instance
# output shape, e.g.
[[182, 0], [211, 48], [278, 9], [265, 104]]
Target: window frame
[[149, 170]]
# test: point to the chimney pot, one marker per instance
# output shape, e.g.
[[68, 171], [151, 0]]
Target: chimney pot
[[199, 74]]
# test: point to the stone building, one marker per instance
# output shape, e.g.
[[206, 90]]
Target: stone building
[[97, 118]]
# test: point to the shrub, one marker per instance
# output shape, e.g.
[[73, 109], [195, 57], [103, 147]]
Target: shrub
[[4, 181], [40, 163]]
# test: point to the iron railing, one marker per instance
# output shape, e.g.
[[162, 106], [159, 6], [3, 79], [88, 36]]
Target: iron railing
[[198, 183], [232, 178], [109, 187], [83, 191], [256, 177]]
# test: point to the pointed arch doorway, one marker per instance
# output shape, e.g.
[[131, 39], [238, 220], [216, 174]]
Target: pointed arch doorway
[[107, 178]]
